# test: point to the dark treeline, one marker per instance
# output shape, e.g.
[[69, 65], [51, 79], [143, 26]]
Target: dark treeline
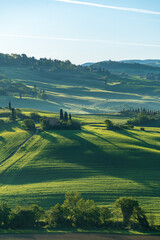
[[140, 110], [45, 66], [23, 60], [75, 211], [142, 116]]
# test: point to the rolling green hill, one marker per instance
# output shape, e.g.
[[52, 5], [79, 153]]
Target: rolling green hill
[[129, 67], [101, 164], [77, 89]]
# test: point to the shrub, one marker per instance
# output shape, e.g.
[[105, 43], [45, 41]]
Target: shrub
[[57, 216], [141, 119], [4, 215], [36, 117], [28, 124], [109, 124], [142, 129], [45, 124], [1, 121], [22, 217], [127, 205]]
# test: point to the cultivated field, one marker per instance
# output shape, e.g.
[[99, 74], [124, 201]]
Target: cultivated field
[[103, 165]]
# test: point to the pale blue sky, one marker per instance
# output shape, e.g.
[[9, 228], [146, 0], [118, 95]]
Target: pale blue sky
[[84, 32]]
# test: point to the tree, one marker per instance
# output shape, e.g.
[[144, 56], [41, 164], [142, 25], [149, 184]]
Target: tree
[[57, 216], [13, 114], [45, 124], [141, 217], [61, 114], [127, 206], [81, 212], [35, 116], [86, 213], [4, 215], [38, 212], [22, 217], [28, 124], [9, 106], [65, 116], [109, 124], [105, 214], [70, 116]]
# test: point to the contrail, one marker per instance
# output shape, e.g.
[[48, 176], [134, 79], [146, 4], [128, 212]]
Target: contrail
[[80, 40], [111, 7]]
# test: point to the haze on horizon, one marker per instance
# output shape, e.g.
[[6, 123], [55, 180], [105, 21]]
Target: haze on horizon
[[81, 31]]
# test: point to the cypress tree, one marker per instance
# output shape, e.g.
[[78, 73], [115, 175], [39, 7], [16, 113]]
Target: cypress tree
[[13, 114], [66, 116], [70, 116], [10, 107], [61, 114]]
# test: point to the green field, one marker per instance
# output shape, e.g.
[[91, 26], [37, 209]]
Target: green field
[[103, 165], [82, 92]]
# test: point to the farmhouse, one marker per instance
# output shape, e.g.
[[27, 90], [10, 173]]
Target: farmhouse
[[52, 121]]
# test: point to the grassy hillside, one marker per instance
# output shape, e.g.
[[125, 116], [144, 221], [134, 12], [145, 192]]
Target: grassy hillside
[[101, 164], [11, 136], [130, 67], [81, 90]]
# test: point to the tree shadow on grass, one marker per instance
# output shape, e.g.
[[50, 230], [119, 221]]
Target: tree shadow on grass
[[2, 139], [48, 136], [135, 136], [9, 126], [85, 159]]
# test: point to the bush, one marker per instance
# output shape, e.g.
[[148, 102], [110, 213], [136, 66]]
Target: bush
[[142, 129], [141, 119], [36, 117], [1, 121], [111, 126], [57, 216], [22, 217], [45, 124], [4, 215], [28, 124]]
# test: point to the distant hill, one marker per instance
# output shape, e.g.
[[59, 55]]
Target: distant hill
[[132, 68], [87, 64], [151, 62], [99, 88]]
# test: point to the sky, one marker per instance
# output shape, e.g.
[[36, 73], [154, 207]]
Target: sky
[[81, 30]]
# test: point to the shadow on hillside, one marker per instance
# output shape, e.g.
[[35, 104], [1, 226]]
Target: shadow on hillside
[[85, 159], [2, 139], [135, 136], [9, 126], [48, 137]]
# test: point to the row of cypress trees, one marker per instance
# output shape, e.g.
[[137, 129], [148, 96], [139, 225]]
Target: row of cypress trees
[[65, 116]]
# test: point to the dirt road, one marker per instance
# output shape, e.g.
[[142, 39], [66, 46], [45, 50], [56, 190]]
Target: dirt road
[[75, 236]]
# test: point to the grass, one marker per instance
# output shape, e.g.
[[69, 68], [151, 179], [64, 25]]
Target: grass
[[11, 136], [82, 92], [103, 165]]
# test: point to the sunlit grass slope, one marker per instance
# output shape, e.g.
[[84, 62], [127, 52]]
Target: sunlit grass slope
[[101, 164], [82, 92], [11, 136]]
